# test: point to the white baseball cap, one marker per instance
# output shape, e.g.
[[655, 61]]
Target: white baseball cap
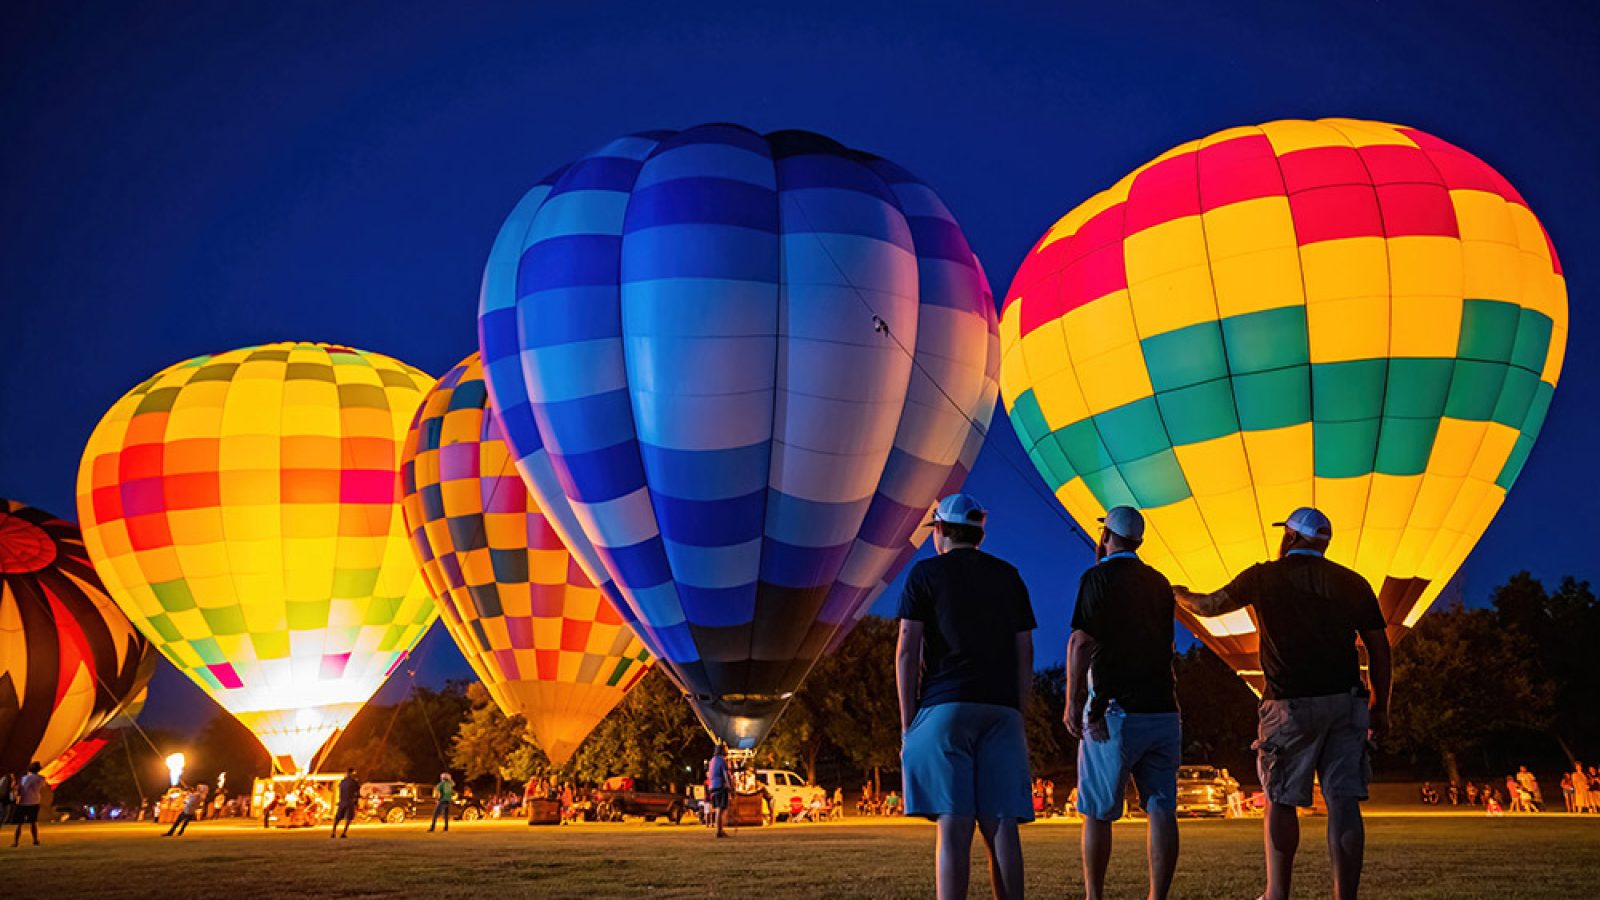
[[1124, 522], [1308, 521], [960, 509]]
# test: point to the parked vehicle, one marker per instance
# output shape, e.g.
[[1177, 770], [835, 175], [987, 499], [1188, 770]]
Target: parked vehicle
[[786, 788], [396, 801], [627, 796], [1204, 790]]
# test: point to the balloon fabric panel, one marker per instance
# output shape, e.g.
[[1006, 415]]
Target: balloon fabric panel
[[69, 659], [1349, 314], [242, 508], [535, 629], [710, 336]]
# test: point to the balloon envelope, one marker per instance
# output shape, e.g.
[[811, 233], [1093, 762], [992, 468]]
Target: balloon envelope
[[534, 627], [242, 509], [1346, 314], [748, 364], [69, 658]]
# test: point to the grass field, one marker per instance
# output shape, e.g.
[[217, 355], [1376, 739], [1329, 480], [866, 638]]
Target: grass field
[[1418, 856]]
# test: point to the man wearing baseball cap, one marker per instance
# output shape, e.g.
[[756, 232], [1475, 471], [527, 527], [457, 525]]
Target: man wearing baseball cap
[[1122, 703], [964, 667], [1317, 714]]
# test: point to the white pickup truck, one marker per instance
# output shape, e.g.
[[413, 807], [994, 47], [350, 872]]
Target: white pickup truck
[[785, 787]]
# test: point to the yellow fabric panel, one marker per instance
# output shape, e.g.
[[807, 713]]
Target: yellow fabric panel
[[1114, 378], [1173, 300], [1482, 216], [1160, 252], [1080, 502], [1279, 457], [1269, 279], [1558, 354], [1061, 399], [1375, 553], [1289, 135], [1182, 529], [1428, 287], [1349, 267], [1362, 133], [1249, 227], [546, 633], [1068, 225], [1454, 447], [1391, 500], [1344, 500], [1493, 452], [1044, 352], [1217, 466], [1349, 329]]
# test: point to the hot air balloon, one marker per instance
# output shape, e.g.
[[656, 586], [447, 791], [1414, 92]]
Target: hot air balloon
[[86, 748], [533, 626], [242, 510], [1347, 314], [69, 658], [748, 364]]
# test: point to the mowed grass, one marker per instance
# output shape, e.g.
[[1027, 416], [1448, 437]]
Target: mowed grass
[[1422, 857]]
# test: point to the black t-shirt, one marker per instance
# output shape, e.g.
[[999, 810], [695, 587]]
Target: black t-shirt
[[1127, 608], [971, 606], [1308, 610]]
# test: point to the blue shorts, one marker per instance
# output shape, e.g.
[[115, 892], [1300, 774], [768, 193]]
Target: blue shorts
[[967, 759], [1147, 746]]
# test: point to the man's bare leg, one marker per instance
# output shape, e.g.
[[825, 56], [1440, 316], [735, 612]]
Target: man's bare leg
[[1347, 839], [954, 860], [1162, 851], [1283, 839], [1005, 857], [1096, 856]]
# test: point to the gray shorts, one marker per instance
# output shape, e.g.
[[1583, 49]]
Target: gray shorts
[[1308, 738]]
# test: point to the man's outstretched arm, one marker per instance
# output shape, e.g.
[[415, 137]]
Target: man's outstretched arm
[[1206, 605]]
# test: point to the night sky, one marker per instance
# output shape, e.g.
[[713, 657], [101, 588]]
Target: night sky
[[180, 180]]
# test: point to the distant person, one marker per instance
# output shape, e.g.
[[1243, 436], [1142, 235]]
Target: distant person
[[1515, 795], [1491, 807], [836, 808], [1530, 784], [30, 793], [1317, 716], [719, 787], [1122, 701], [1472, 794], [964, 668], [1566, 792], [269, 802], [349, 799], [193, 803], [8, 797], [1430, 794], [1582, 790], [891, 803], [444, 793], [1454, 792]]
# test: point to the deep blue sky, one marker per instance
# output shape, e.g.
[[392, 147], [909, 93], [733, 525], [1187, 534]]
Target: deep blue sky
[[180, 179]]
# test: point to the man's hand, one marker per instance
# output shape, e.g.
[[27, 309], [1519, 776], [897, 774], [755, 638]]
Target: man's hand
[[1072, 718], [1379, 727], [1097, 730]]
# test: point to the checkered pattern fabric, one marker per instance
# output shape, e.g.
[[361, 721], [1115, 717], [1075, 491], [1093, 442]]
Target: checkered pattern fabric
[[242, 509], [750, 363], [69, 659], [1346, 314], [534, 627]]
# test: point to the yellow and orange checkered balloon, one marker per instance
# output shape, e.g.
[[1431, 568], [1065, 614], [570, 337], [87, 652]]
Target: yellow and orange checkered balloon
[[242, 509], [1346, 314], [545, 642]]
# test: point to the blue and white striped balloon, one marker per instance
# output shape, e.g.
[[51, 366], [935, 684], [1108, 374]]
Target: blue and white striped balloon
[[737, 369]]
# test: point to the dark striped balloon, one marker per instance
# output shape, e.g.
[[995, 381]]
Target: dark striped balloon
[[69, 659]]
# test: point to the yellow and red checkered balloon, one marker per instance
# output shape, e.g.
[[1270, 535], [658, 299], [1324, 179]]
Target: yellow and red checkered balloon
[[1347, 314], [242, 509], [540, 635]]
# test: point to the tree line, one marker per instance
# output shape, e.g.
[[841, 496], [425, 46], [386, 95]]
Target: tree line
[[1477, 692]]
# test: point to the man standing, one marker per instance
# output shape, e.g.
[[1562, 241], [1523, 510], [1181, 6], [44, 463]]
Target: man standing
[[964, 666], [444, 792], [349, 796], [1122, 703], [30, 793], [1316, 714], [719, 787]]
